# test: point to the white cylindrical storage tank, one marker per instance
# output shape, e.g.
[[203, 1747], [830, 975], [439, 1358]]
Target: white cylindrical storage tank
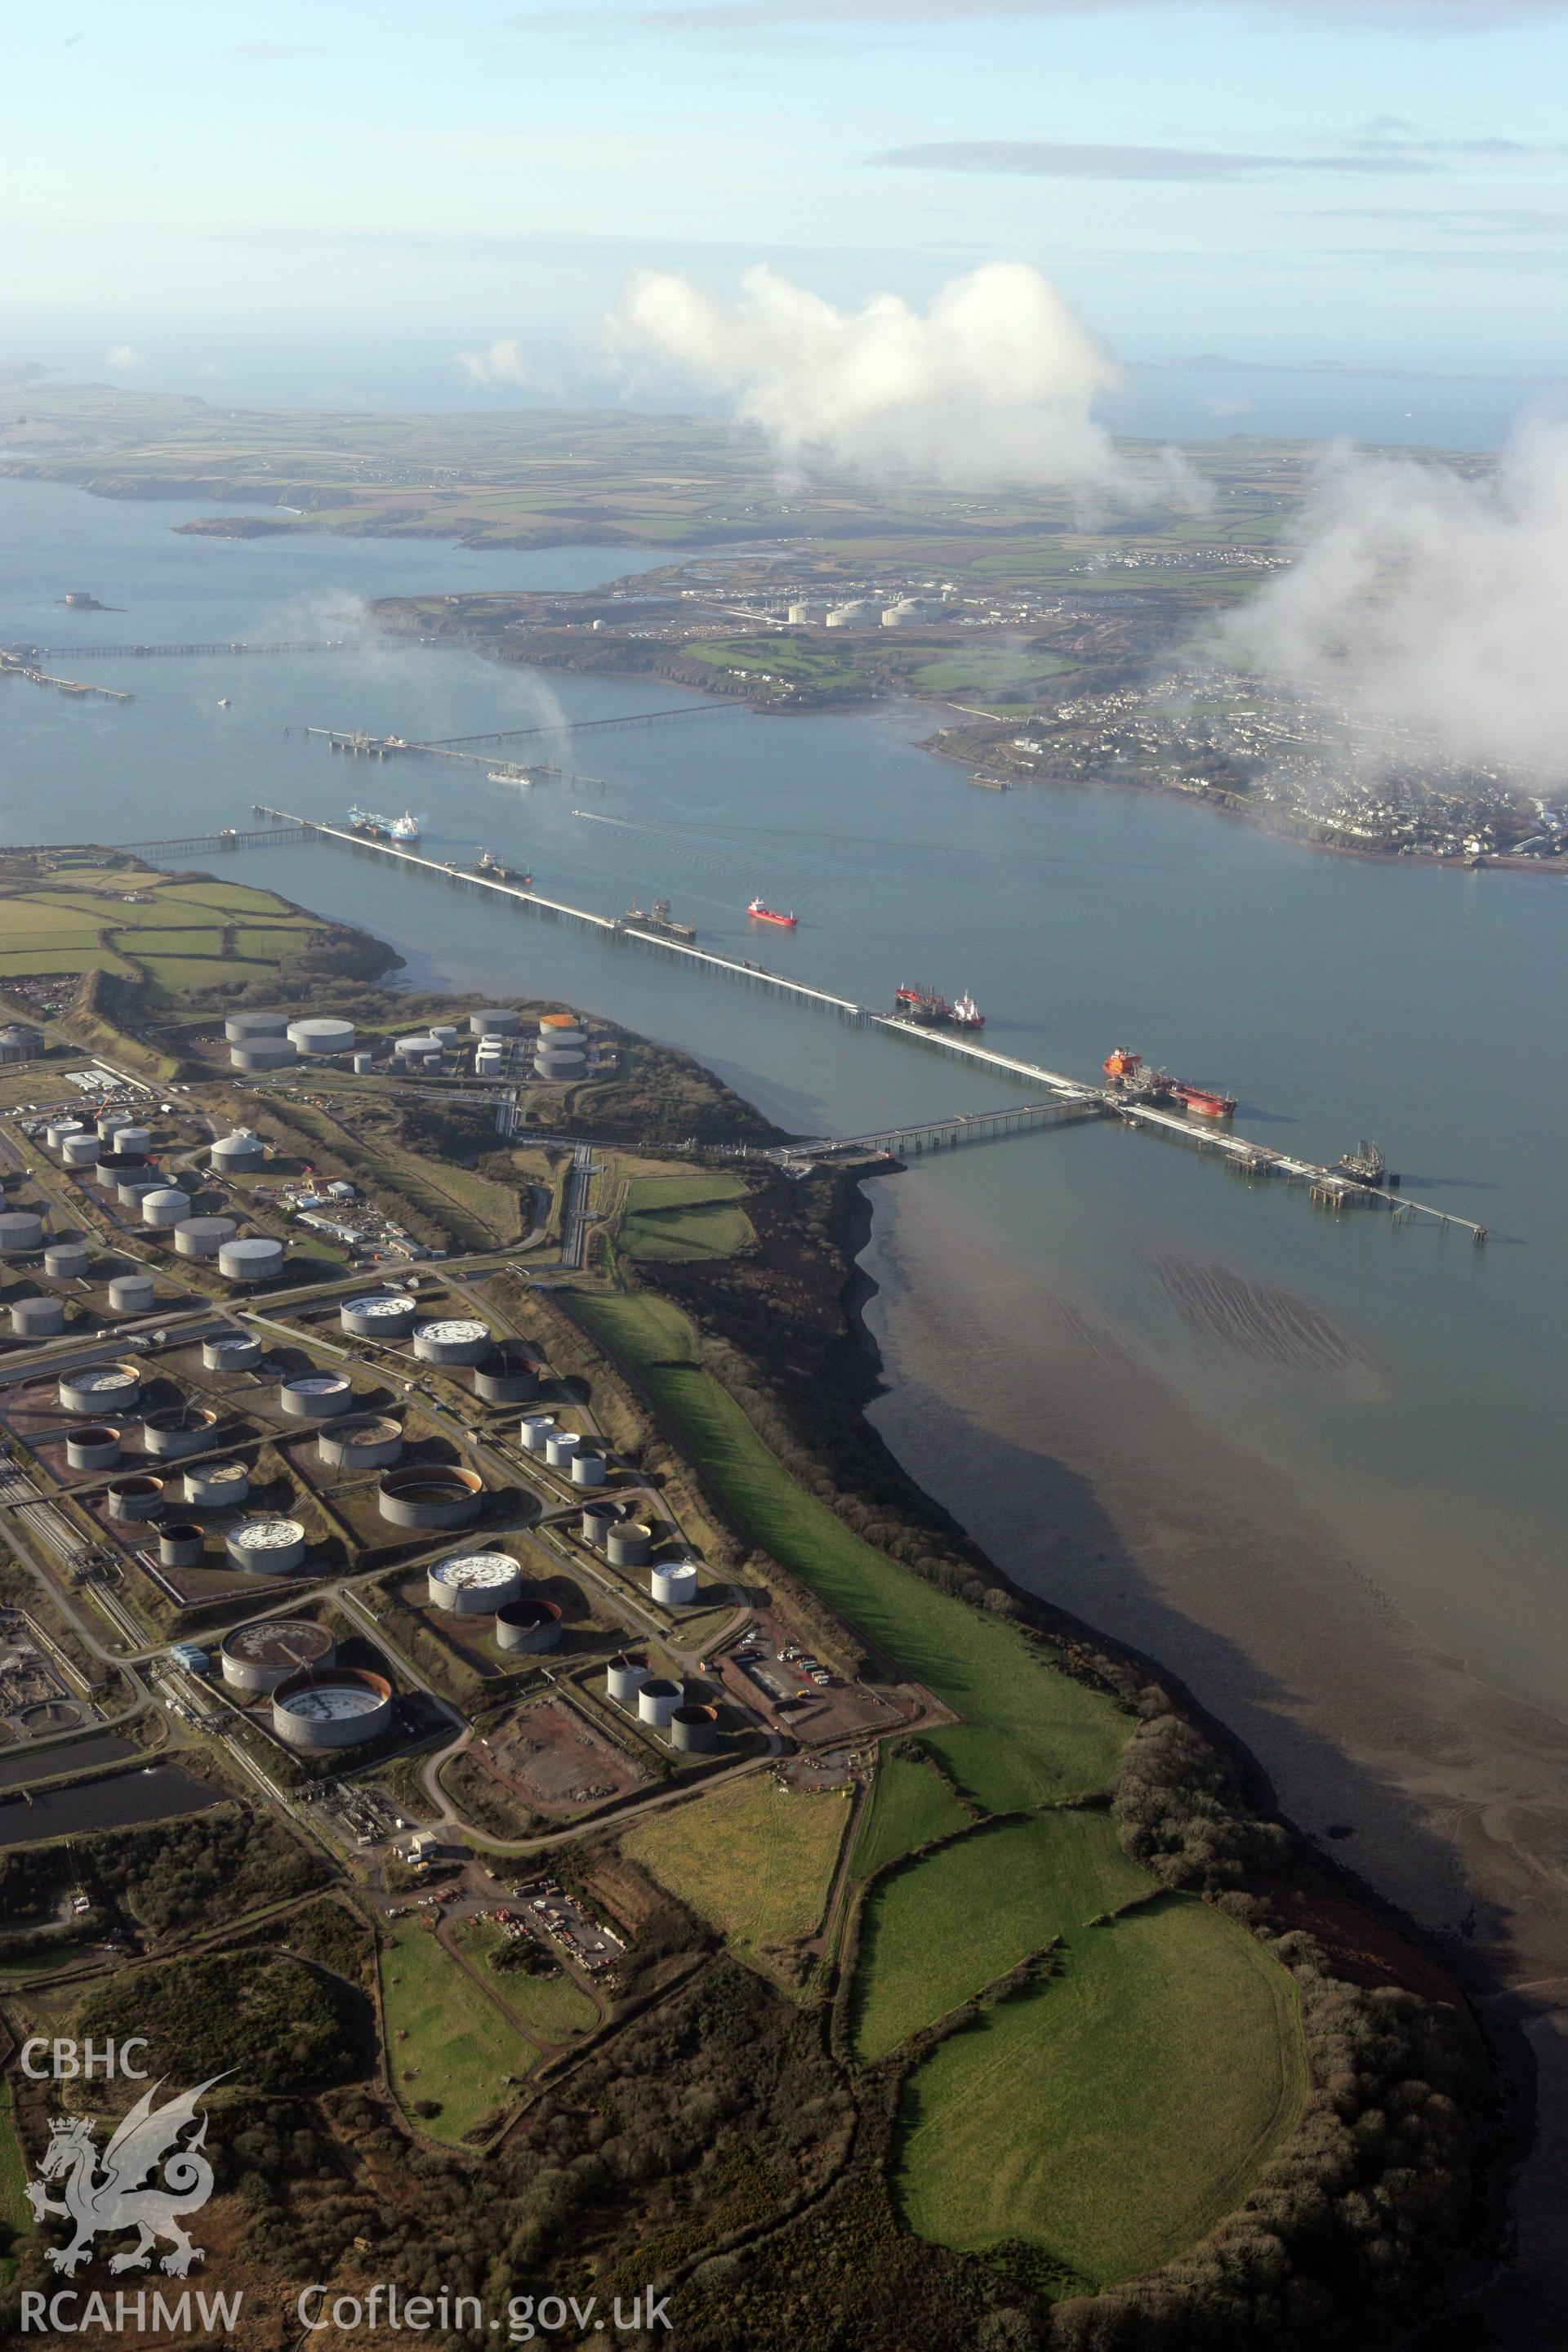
[[165, 1208], [66, 1260], [475, 1583], [332, 1708], [132, 1191], [658, 1700], [559, 1449], [116, 1168], [596, 1521], [203, 1237], [240, 1028], [496, 1021], [320, 1035], [181, 1544], [363, 1065], [505, 1375], [535, 1430], [417, 1048], [218, 1485], [238, 1151], [178, 1429], [231, 1352], [20, 1230], [694, 1730], [259, 1657], [382, 1316], [57, 1130], [139, 1497], [266, 1546], [263, 1053], [110, 1124], [628, 1544], [99, 1391], [80, 1151], [96, 1447], [528, 1625], [131, 1294], [674, 1584], [255, 1258], [314, 1396], [626, 1676], [430, 1496], [559, 1066], [453, 1340], [443, 1033], [134, 1138], [37, 1319], [360, 1441]]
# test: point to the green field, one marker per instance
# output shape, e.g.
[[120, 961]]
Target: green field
[[182, 936], [555, 2008], [1115, 2113], [755, 1860], [458, 2041], [938, 1932], [684, 1217], [1029, 1733], [910, 1804]]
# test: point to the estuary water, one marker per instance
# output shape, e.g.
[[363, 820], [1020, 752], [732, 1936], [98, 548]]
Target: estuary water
[[1404, 1389]]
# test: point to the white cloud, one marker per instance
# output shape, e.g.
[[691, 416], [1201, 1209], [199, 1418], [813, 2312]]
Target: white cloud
[[504, 363], [995, 381], [124, 360], [1438, 602]]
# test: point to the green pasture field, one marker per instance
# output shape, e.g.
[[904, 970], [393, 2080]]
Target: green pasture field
[[555, 2008], [683, 1217], [183, 935], [1114, 2114], [910, 1804], [755, 1860], [1028, 1733], [455, 2036], [938, 1932]]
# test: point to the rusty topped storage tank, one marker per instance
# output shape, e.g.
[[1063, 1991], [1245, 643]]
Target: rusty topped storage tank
[[431, 1496], [507, 1373], [528, 1625], [332, 1707], [694, 1730], [139, 1497], [178, 1429]]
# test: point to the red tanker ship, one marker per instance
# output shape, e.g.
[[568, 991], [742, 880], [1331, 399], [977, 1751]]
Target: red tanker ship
[[1125, 1070], [933, 1011], [762, 914]]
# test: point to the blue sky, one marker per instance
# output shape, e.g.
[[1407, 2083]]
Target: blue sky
[[327, 201]]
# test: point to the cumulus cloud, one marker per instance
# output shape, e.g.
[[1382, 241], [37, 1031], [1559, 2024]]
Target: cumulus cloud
[[995, 381], [124, 360], [1434, 602], [504, 362]]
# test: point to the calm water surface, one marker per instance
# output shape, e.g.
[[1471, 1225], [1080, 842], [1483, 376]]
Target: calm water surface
[[1337, 999]]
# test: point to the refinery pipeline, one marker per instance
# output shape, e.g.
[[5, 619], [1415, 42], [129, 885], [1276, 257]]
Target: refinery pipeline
[[1359, 1180]]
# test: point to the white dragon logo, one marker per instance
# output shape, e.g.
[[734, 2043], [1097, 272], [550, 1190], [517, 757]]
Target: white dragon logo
[[115, 2198]]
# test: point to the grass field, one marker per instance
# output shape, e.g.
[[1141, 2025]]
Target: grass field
[[684, 1217], [1029, 1733], [935, 1934], [909, 1804], [754, 1860], [555, 2008], [1115, 2113], [183, 936], [456, 2039]]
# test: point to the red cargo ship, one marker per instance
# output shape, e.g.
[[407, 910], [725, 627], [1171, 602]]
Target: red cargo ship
[[1203, 1101], [934, 1011], [1125, 1070], [762, 914]]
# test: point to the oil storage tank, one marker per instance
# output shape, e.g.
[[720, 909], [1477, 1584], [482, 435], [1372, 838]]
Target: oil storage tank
[[332, 1707], [263, 1053], [314, 1396], [96, 1447], [80, 1151], [528, 1625], [231, 1352], [137, 1497], [218, 1485], [431, 1496], [165, 1207], [37, 1319], [181, 1543], [66, 1260], [360, 1440], [131, 1293], [674, 1583], [117, 1168], [319, 1036], [658, 1700], [475, 1583], [628, 1544], [57, 1130], [266, 1546], [496, 1021], [694, 1730], [178, 1429], [134, 1138], [597, 1520], [256, 1658], [506, 1375], [383, 1316], [203, 1237], [20, 1230], [237, 1153], [454, 1339], [132, 1191], [588, 1468], [255, 1257], [535, 1430], [626, 1677], [99, 1391], [240, 1028], [560, 1448]]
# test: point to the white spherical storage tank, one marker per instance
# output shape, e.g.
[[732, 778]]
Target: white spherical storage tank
[[37, 1319], [475, 1583], [165, 1208], [452, 1340], [320, 1035], [332, 1707], [203, 1237], [674, 1585], [131, 1294], [382, 1316], [101, 1390], [254, 1259], [266, 1546]]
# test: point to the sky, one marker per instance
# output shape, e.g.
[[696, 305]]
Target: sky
[[272, 201]]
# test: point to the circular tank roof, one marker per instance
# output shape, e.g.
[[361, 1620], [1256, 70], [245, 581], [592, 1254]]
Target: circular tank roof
[[316, 1383], [476, 1571], [269, 1535], [453, 1328], [332, 1702], [279, 1641], [377, 1304]]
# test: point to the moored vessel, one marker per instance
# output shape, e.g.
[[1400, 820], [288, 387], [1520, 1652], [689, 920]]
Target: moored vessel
[[762, 914]]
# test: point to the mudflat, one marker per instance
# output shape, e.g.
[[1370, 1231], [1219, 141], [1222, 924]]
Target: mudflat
[[1091, 1482]]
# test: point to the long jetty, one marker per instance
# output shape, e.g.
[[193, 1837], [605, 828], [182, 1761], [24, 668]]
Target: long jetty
[[13, 663], [196, 650], [1328, 1187]]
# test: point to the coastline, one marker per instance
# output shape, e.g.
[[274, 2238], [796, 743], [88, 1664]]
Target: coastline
[[1092, 1484]]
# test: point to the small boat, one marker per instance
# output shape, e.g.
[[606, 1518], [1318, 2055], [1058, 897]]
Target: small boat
[[223, 702], [404, 828], [761, 914]]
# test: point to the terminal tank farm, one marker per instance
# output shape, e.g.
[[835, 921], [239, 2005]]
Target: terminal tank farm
[[929, 1010], [1128, 1075]]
